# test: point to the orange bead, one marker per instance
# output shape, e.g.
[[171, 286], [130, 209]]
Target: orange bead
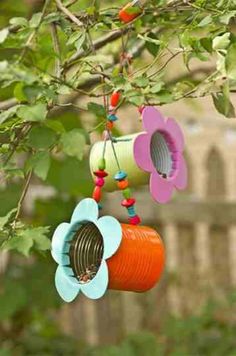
[[123, 184], [109, 125], [97, 194]]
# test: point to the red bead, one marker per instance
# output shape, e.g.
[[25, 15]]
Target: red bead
[[97, 194], [115, 99], [128, 202], [135, 220], [109, 125], [101, 174], [127, 17], [99, 182], [141, 108]]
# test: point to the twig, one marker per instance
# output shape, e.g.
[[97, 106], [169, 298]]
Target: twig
[[21, 200], [111, 37], [9, 103], [67, 12], [23, 133]]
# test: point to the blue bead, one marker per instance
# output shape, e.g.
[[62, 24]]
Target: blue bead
[[120, 175], [131, 211], [99, 206], [112, 117]]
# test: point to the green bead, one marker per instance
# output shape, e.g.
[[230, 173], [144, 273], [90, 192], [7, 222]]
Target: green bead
[[102, 164], [127, 193]]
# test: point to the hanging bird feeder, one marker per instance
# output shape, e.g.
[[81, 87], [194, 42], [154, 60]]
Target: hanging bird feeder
[[154, 156], [95, 254]]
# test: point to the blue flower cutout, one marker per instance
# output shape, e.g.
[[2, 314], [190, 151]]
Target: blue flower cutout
[[67, 284]]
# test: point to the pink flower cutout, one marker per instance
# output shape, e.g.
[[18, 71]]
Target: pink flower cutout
[[160, 151]]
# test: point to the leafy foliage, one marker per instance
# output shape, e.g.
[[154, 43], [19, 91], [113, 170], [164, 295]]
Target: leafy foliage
[[54, 71]]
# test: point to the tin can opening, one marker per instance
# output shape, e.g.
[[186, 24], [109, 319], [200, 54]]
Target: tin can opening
[[164, 154], [86, 252]]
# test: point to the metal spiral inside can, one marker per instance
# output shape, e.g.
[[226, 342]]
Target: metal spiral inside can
[[86, 252], [161, 153]]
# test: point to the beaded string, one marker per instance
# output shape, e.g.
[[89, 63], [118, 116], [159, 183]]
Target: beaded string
[[121, 176]]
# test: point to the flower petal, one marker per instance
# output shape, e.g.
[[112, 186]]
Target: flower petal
[[177, 134], [66, 289], [86, 210], [182, 176], [110, 229], [142, 154], [59, 241], [98, 286], [160, 188], [60, 258], [152, 119]]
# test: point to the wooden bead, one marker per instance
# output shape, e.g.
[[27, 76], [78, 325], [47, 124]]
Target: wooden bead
[[135, 220], [123, 184], [97, 194], [127, 193], [109, 125], [99, 181], [102, 164], [115, 99], [100, 173], [126, 16], [128, 202]]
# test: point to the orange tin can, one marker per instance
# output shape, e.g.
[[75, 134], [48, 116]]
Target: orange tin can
[[138, 263]]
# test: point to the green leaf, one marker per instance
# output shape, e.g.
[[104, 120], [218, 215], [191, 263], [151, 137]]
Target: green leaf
[[225, 19], [39, 237], [19, 243], [157, 87], [221, 42], [137, 100], [5, 219], [36, 112], [97, 109], [55, 125], [19, 21], [35, 20], [205, 21], [230, 62], [40, 163], [79, 43], [3, 34], [3, 66], [19, 92], [7, 114], [41, 137], [149, 39], [73, 143], [222, 102], [141, 81]]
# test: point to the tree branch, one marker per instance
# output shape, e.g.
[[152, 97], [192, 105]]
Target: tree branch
[[69, 14], [7, 104], [111, 37]]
